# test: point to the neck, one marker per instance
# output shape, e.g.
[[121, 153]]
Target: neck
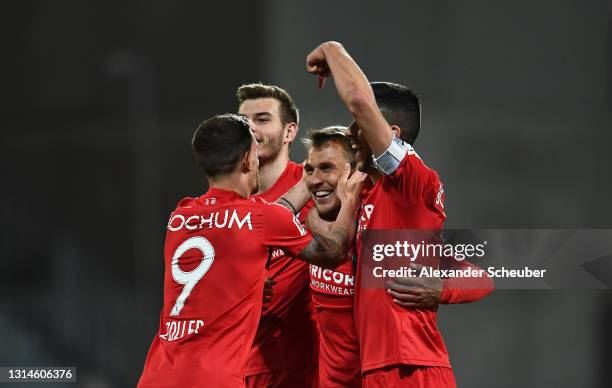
[[367, 167], [232, 182], [271, 170], [374, 174], [330, 217]]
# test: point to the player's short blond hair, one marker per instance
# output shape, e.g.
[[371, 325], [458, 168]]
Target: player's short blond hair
[[337, 134]]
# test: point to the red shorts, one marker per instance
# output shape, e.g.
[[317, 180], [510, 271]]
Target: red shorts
[[407, 376], [301, 377]]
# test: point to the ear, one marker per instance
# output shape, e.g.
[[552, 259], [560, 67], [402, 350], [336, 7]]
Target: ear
[[245, 162], [291, 130], [397, 131]]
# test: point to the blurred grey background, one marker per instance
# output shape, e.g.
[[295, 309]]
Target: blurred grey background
[[101, 100]]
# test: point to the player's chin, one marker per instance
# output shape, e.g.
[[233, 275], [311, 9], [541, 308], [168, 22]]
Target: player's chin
[[327, 205], [264, 153]]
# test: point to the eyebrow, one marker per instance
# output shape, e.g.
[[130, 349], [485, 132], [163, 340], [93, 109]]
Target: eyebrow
[[320, 166], [327, 165], [259, 114]]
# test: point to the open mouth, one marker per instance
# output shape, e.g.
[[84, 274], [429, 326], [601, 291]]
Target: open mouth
[[322, 194]]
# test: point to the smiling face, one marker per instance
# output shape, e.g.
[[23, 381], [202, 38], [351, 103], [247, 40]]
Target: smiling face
[[265, 119], [324, 167]]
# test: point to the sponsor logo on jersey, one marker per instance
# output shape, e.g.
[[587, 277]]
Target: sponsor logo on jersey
[[331, 282], [364, 217]]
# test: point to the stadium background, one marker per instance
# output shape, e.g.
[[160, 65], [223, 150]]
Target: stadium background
[[101, 100]]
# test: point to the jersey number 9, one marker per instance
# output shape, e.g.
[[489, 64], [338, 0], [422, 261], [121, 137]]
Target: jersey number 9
[[191, 278]]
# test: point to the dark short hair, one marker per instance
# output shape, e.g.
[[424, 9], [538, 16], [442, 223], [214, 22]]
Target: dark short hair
[[336, 134], [400, 106], [220, 142], [289, 111]]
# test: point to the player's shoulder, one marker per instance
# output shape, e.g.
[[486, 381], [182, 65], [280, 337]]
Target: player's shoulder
[[413, 161], [295, 169], [268, 206], [186, 204], [292, 175], [208, 204], [412, 179]]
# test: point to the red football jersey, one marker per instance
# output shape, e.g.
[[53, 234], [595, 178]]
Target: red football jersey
[[215, 255], [333, 293], [410, 198], [287, 335]]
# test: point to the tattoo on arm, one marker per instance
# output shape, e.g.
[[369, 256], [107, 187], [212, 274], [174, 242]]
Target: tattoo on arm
[[326, 250]]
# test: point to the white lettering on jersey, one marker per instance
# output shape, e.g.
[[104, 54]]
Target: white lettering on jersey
[[330, 281], [240, 223], [176, 329], [299, 226], [179, 221], [332, 276], [368, 209], [276, 253], [439, 196], [366, 214]]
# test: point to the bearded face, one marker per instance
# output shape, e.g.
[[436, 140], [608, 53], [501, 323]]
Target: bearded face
[[265, 119]]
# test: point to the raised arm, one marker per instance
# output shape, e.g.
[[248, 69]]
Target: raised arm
[[330, 58]]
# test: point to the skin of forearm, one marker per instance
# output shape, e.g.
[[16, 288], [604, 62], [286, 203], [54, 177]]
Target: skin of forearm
[[352, 84], [297, 197], [345, 221], [328, 247], [341, 233], [356, 93]]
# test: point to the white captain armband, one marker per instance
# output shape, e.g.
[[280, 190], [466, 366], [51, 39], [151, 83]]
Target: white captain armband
[[390, 160]]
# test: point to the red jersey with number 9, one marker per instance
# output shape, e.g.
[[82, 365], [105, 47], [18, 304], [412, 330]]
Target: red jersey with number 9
[[215, 256]]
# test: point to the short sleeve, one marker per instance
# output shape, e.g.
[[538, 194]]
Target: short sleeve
[[418, 183], [468, 289], [281, 229]]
